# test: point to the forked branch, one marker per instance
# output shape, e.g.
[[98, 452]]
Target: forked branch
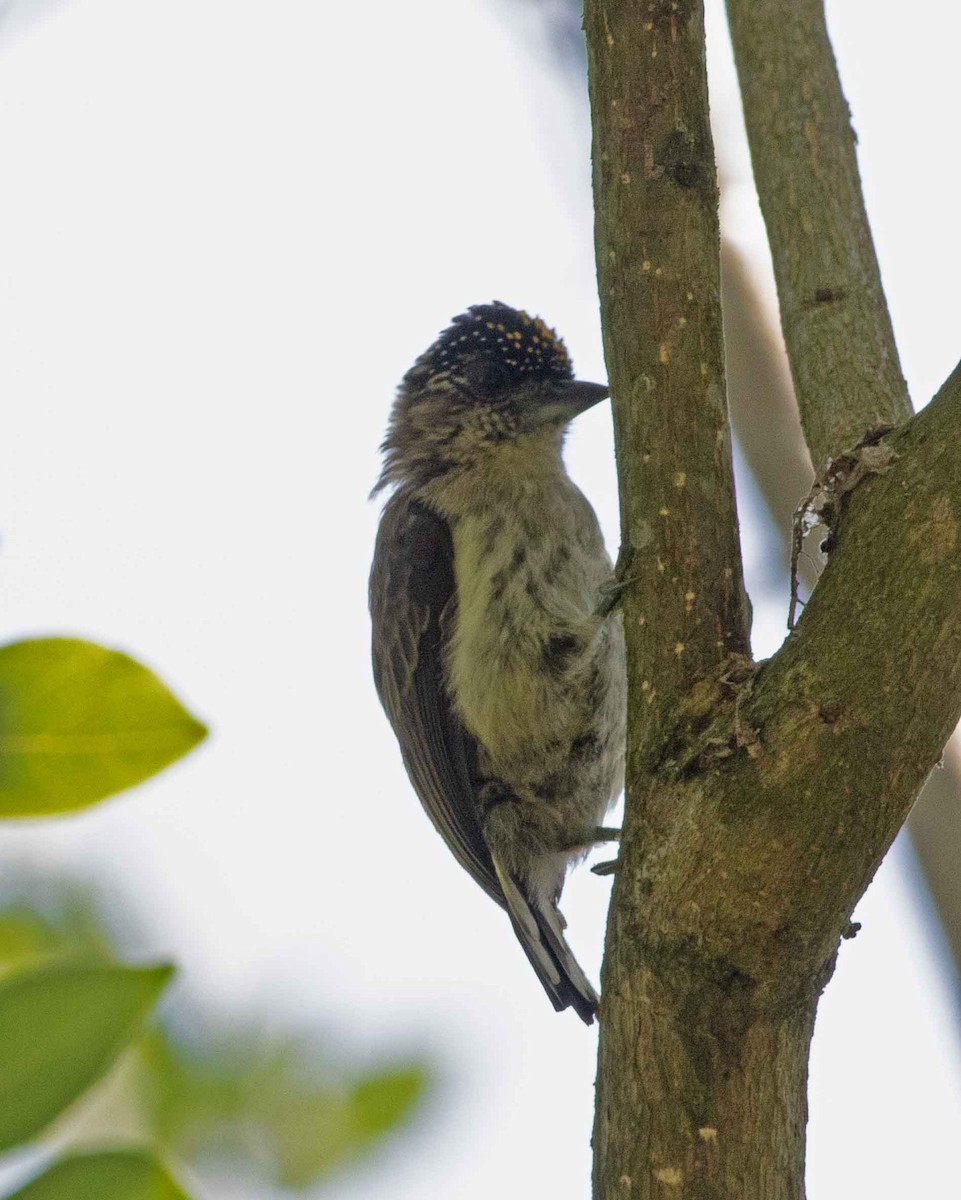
[[758, 804]]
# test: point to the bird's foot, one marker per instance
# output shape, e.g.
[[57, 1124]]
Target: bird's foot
[[613, 589], [606, 833], [605, 868], [594, 837]]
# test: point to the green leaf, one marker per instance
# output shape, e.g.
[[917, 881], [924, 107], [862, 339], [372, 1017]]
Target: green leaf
[[380, 1102], [318, 1132], [279, 1106], [61, 1026], [44, 918], [79, 722], [24, 936], [108, 1175]]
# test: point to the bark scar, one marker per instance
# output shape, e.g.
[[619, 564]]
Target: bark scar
[[710, 723], [824, 503]]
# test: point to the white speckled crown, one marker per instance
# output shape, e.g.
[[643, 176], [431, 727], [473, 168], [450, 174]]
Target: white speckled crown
[[505, 335]]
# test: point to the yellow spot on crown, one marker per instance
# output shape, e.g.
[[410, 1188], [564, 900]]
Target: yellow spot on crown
[[663, 512], [672, 1176], [679, 648], [680, 478], [663, 354]]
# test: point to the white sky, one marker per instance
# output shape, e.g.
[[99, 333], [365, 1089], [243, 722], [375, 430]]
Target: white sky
[[226, 229]]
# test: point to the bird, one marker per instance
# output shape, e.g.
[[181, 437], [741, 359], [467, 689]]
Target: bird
[[498, 655]]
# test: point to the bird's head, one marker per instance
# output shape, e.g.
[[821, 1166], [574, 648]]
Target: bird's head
[[495, 375]]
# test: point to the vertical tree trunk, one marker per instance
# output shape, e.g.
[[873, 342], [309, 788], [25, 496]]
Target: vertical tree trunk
[[713, 1106]]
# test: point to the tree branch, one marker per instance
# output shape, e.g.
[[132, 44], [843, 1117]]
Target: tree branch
[[765, 422], [755, 850], [836, 324], [758, 805], [657, 243], [842, 349]]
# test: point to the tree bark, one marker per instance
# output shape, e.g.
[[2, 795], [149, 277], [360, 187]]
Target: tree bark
[[847, 375], [765, 421], [759, 802], [718, 1118], [658, 254]]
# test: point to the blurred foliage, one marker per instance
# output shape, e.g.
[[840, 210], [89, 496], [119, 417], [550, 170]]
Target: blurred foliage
[[107, 1175], [274, 1102], [79, 722], [211, 1088], [61, 1026]]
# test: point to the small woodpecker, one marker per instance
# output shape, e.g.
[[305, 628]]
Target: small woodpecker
[[498, 662]]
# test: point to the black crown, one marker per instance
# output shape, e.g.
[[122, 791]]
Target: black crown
[[506, 337]]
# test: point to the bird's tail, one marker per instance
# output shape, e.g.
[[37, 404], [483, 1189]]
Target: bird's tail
[[540, 931]]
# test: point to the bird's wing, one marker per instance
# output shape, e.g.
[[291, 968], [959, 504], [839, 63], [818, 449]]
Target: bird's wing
[[412, 598]]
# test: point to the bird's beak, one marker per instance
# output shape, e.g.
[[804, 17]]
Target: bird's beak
[[570, 398]]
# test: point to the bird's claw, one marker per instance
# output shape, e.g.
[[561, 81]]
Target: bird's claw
[[613, 589], [606, 833], [605, 868], [595, 837]]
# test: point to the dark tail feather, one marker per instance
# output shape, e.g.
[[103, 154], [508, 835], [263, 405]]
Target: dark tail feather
[[539, 932]]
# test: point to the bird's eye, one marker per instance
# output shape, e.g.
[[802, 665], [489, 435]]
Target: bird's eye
[[487, 377]]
